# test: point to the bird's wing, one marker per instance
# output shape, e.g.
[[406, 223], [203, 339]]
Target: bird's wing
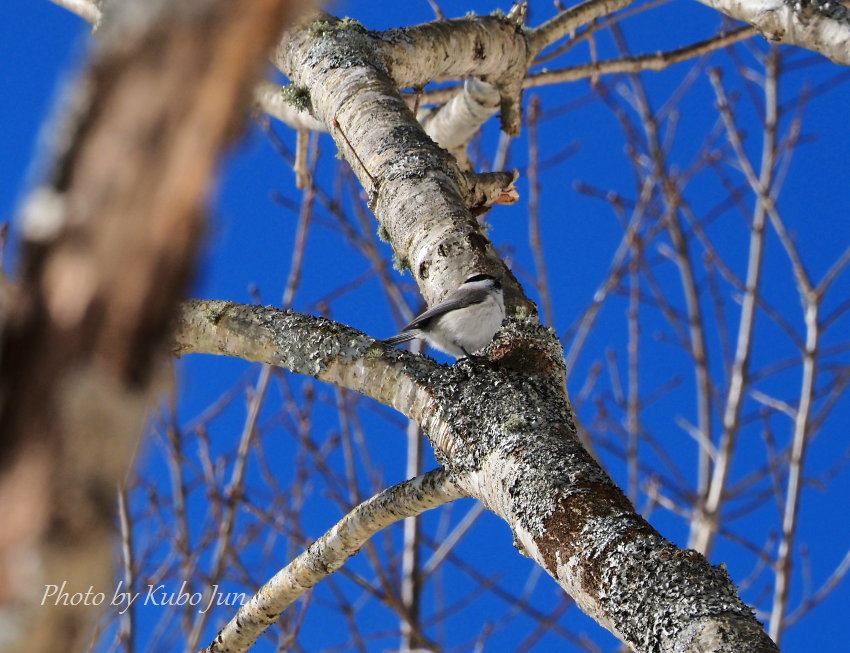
[[401, 337], [450, 303]]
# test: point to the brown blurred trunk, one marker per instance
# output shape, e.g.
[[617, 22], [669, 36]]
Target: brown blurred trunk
[[110, 242]]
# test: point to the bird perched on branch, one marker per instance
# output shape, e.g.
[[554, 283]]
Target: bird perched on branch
[[463, 322]]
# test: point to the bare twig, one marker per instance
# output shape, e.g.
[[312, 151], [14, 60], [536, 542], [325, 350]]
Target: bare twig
[[438, 12], [795, 472], [639, 63], [571, 19], [126, 635], [225, 534], [534, 239], [411, 580], [702, 532]]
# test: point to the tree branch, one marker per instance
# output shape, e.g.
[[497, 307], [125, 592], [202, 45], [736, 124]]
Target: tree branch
[[493, 48], [107, 251], [330, 552], [820, 26], [453, 124], [269, 98], [653, 62], [309, 345], [569, 21], [418, 192], [524, 464]]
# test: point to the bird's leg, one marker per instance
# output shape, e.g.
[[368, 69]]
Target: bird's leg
[[472, 358]]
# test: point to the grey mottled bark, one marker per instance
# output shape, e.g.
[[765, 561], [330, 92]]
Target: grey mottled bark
[[504, 428]]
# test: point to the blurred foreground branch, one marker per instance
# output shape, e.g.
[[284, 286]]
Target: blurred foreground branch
[[110, 241]]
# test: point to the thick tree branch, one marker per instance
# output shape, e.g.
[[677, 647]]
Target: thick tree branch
[[509, 438], [820, 26], [330, 552], [309, 345], [418, 192]]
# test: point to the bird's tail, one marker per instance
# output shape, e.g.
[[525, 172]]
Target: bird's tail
[[401, 337]]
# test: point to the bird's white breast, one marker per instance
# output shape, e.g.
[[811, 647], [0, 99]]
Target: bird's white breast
[[469, 328]]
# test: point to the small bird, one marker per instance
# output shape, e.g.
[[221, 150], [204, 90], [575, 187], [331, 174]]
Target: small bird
[[463, 322]]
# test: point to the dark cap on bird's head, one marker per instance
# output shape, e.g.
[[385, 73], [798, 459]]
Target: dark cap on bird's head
[[484, 277]]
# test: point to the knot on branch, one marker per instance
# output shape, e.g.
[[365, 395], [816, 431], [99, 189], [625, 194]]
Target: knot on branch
[[482, 190], [524, 345]]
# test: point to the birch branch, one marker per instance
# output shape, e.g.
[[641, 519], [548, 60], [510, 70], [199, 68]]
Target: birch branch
[[527, 466], [453, 124], [272, 99], [493, 48], [639, 63], [330, 552], [569, 21], [820, 26], [417, 190], [308, 345]]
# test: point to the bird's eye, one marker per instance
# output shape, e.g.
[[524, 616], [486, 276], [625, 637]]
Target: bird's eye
[[478, 277]]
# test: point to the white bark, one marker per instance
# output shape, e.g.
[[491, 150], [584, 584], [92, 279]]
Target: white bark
[[330, 552], [820, 26], [270, 98], [453, 124]]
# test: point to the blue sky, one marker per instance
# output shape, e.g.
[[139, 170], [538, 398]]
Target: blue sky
[[250, 240]]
